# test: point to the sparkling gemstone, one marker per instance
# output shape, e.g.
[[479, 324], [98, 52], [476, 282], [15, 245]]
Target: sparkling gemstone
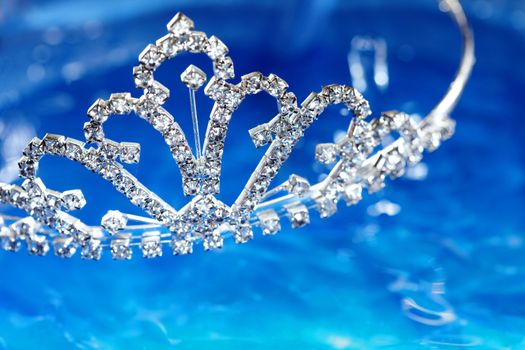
[[180, 24], [120, 249], [326, 206], [27, 167], [93, 132], [326, 153], [64, 247], [109, 149], [181, 246], [114, 221], [193, 77], [123, 183], [216, 48], [298, 185], [37, 245], [120, 103], [243, 233], [151, 56], [269, 222], [223, 68], [54, 144], [34, 149], [109, 170], [197, 42], [157, 93], [276, 86], [170, 45], [261, 135], [129, 152], [150, 245], [353, 194], [298, 214], [73, 199], [98, 112], [8, 241], [395, 164], [91, 250], [374, 181], [213, 241], [142, 75], [74, 149], [252, 82]]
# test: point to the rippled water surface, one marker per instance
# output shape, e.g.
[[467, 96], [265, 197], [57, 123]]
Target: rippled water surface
[[436, 260]]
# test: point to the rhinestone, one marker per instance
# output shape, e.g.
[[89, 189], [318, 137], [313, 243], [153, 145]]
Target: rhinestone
[[288, 103], [109, 170], [92, 250], [170, 45], [197, 42], [243, 233], [213, 241], [120, 249], [129, 152], [93, 132], [138, 196], [37, 245], [326, 153], [64, 225], [220, 114], [298, 214], [261, 135], [298, 185], [120, 104], [374, 181], [269, 222], [64, 247], [73, 199], [98, 111], [223, 68], [142, 76], [54, 144], [74, 149], [334, 93], [395, 164], [216, 48], [114, 221], [181, 246], [252, 82], [362, 110], [276, 86], [150, 245], [34, 149], [108, 150], [157, 93], [193, 77], [326, 206], [8, 241], [123, 183], [146, 108], [353, 194], [161, 122], [180, 24], [27, 167], [151, 56]]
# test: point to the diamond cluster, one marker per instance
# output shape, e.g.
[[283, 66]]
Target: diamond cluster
[[370, 152]]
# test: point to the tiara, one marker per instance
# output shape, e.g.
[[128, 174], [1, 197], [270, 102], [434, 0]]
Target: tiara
[[360, 160]]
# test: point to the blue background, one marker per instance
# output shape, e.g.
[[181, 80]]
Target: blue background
[[446, 271]]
